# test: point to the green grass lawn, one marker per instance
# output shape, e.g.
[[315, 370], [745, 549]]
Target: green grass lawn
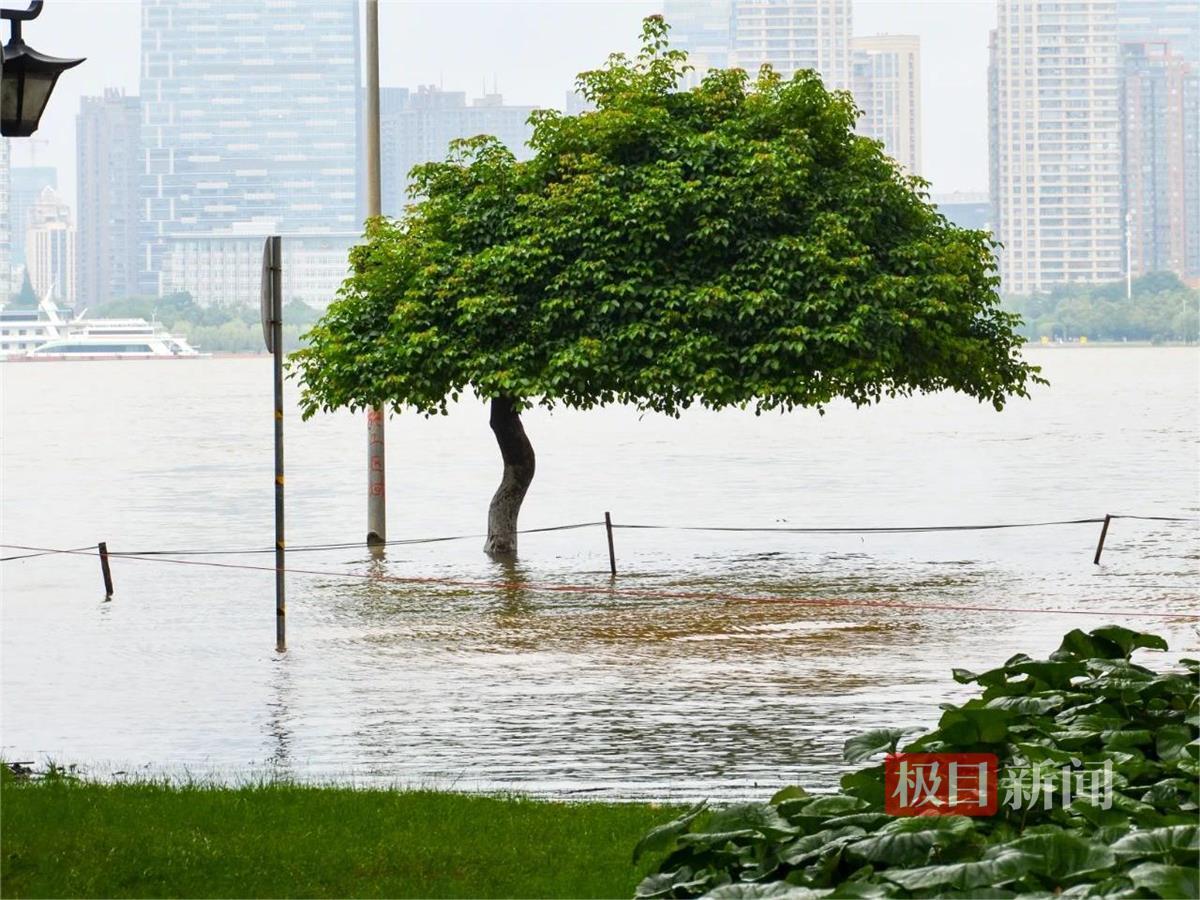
[[65, 839]]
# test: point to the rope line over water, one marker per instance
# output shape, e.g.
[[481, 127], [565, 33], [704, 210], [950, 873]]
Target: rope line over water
[[612, 590], [357, 545]]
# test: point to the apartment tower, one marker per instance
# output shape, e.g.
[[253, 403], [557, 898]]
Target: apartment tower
[[886, 82], [1055, 103], [108, 169], [1160, 112], [791, 35], [50, 248]]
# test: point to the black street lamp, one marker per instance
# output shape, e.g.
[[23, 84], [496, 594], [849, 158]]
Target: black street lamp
[[28, 77]]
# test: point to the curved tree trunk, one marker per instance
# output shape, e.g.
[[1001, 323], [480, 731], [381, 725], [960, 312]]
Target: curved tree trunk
[[519, 465]]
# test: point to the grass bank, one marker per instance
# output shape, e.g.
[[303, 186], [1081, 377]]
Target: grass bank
[[71, 839]]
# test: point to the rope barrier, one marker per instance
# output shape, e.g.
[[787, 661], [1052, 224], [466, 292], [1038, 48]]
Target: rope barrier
[[356, 545], [643, 594], [898, 529], [39, 553], [904, 529]]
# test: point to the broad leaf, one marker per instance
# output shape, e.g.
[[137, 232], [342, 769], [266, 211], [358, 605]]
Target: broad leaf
[[812, 845], [1168, 882], [778, 889], [1128, 640], [1171, 741], [968, 727], [1176, 842], [908, 841], [664, 835], [1062, 855], [1005, 867], [835, 805], [881, 740]]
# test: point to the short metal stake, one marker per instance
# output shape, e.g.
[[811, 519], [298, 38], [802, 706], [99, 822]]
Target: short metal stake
[[105, 571], [612, 555], [1103, 535]]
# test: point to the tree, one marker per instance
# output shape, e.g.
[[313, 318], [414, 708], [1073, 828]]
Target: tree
[[26, 298], [729, 245]]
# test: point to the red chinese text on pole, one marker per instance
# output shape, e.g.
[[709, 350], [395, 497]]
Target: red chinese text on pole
[[375, 469]]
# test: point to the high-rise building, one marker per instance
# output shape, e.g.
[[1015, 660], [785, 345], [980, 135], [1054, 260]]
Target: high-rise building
[[1056, 143], [50, 247], [417, 127], [250, 120], [702, 28], [1161, 119], [25, 186], [1176, 22], [886, 83], [108, 169], [787, 34], [993, 111], [793, 34], [6, 288]]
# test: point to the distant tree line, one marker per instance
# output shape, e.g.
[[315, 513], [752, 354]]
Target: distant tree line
[[25, 298], [1161, 309]]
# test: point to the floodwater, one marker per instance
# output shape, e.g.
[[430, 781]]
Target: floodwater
[[724, 664]]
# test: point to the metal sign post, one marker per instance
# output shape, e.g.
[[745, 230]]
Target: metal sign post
[[272, 322]]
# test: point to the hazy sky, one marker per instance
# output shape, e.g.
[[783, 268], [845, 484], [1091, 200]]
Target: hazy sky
[[533, 50]]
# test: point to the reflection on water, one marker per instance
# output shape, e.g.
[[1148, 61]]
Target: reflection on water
[[716, 664]]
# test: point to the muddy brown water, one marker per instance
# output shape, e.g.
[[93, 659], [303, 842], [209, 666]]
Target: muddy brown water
[[673, 686]]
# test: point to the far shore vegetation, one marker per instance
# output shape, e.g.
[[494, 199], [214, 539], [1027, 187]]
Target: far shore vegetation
[[1159, 309], [1162, 310]]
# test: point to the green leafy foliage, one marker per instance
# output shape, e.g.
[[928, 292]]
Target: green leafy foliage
[[1087, 706], [735, 244]]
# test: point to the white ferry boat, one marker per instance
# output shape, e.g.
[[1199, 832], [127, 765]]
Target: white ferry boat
[[43, 334]]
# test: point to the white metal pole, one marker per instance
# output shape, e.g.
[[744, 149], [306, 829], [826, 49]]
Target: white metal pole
[[376, 489]]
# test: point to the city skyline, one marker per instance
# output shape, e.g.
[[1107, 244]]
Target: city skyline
[[532, 51], [248, 121]]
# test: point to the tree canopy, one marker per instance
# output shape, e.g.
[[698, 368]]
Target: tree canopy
[[26, 297], [735, 244]]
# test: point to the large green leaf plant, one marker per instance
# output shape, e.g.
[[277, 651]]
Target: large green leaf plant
[[1087, 706]]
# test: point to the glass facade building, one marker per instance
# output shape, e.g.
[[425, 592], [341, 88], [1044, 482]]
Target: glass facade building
[[418, 126], [108, 169], [1161, 135], [250, 120], [886, 82], [1175, 22]]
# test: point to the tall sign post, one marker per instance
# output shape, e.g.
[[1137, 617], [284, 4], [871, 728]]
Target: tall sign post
[[272, 322], [376, 489]]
